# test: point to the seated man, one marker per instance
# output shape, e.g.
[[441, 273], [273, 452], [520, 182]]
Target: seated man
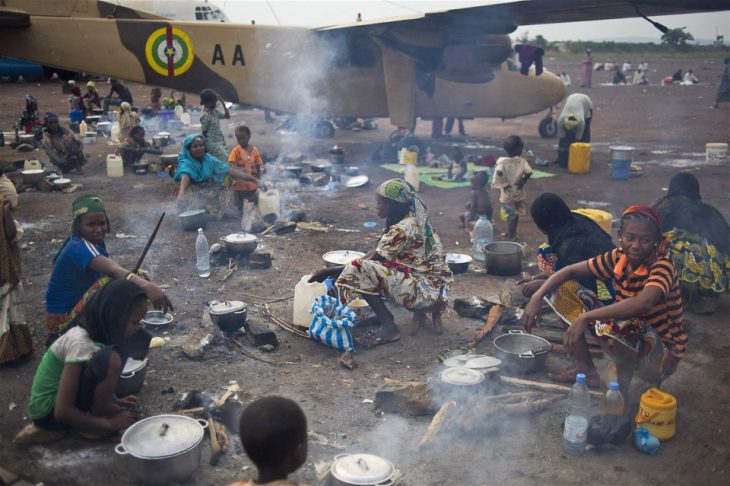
[[135, 146], [122, 92]]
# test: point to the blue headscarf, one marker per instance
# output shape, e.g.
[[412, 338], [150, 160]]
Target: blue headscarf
[[209, 168]]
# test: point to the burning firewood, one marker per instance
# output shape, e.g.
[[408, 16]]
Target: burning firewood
[[436, 423], [407, 397], [492, 318], [479, 414], [550, 387]]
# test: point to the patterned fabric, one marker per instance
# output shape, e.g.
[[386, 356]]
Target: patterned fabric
[[405, 271], [508, 173], [30, 119], [210, 125], [666, 316], [15, 338], [403, 192], [127, 120], [64, 149], [509, 211], [213, 197], [88, 203], [698, 261], [246, 160], [209, 168], [59, 322]]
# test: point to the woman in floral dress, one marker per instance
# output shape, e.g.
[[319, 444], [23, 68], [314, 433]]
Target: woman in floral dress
[[408, 265]]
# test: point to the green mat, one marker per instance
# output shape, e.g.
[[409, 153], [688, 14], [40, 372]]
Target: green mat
[[426, 175]]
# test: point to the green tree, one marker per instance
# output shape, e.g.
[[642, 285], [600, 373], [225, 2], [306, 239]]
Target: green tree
[[541, 41], [677, 37]]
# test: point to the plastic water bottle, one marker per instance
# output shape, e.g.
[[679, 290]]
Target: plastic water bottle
[[202, 255], [613, 401], [576, 417], [483, 235]]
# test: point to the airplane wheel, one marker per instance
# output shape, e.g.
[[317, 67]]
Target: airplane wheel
[[548, 127], [324, 129]]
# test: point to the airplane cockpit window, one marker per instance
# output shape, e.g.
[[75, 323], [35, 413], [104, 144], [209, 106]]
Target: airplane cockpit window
[[209, 13], [352, 48], [216, 14]]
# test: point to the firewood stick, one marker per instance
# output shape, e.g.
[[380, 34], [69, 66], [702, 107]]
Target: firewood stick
[[520, 395], [231, 390], [538, 385], [436, 423], [492, 318], [215, 448], [191, 411]]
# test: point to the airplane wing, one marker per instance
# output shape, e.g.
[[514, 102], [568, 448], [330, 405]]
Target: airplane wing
[[504, 17]]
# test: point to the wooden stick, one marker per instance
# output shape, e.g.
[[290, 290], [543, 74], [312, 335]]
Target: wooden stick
[[215, 447], [147, 246], [492, 318], [191, 410], [231, 390], [538, 385], [282, 323], [436, 423]]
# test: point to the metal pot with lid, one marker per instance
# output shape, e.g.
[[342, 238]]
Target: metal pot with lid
[[240, 243], [229, 315], [164, 448], [362, 469], [132, 377], [521, 352], [461, 376]]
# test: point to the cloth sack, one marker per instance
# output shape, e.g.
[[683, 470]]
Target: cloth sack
[[331, 323]]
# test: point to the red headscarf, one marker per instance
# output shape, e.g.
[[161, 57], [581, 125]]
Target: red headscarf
[[663, 245]]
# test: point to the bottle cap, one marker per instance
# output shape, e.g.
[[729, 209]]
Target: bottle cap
[[200, 230], [580, 377], [614, 385]]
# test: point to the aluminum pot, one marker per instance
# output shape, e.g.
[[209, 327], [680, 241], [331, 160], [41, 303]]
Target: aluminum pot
[[194, 219], [230, 315], [163, 449], [362, 470], [503, 258], [240, 243], [33, 176], [132, 377], [521, 352]]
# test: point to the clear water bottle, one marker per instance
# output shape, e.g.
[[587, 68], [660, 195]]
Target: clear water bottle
[[202, 255], [613, 401], [576, 417], [483, 235]]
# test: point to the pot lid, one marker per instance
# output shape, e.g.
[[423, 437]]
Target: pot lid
[[472, 361], [134, 365], [162, 436], [365, 469], [461, 376], [61, 180], [32, 171], [239, 238], [357, 181], [192, 212], [341, 257], [227, 307]]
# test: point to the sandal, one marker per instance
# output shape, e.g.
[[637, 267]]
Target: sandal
[[568, 376]]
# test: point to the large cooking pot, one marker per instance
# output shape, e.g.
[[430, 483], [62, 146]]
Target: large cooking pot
[[132, 377], [33, 176], [194, 219], [163, 449], [362, 469], [240, 243], [503, 258], [229, 315], [521, 352]]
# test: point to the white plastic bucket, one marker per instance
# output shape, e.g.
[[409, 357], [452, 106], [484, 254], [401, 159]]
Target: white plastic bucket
[[715, 153]]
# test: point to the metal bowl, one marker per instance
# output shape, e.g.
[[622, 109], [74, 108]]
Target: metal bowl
[[357, 181], [61, 183], [157, 318], [352, 170], [240, 243], [139, 168], [194, 219], [458, 262]]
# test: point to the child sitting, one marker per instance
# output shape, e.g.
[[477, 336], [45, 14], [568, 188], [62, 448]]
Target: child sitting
[[479, 204], [457, 169], [248, 159], [274, 434], [510, 175]]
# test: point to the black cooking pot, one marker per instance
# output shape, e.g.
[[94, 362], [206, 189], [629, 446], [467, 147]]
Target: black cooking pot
[[230, 315]]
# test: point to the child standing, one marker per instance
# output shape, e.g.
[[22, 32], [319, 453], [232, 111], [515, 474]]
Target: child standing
[[510, 175], [480, 203], [248, 159], [274, 434], [210, 124]]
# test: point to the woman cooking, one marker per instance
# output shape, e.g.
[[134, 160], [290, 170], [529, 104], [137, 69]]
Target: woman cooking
[[408, 265], [64, 149], [82, 266], [201, 178], [135, 146]]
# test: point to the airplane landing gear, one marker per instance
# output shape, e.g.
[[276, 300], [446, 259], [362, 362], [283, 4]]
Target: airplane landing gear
[[324, 129], [548, 127]]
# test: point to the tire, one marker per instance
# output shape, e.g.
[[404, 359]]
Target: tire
[[324, 129], [548, 127]]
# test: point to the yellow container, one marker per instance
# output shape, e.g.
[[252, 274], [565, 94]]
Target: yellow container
[[579, 158], [602, 218], [410, 157], [657, 413]]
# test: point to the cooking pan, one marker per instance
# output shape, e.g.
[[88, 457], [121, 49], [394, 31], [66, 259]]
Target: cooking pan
[[503, 258], [521, 352]]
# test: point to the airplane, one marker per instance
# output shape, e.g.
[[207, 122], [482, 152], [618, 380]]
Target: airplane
[[446, 63], [187, 10]]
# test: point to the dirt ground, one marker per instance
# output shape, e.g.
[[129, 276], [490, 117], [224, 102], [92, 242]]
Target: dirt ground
[[669, 126]]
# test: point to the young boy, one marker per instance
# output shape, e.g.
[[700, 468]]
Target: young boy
[[247, 158], [479, 204], [457, 169], [510, 175], [274, 434]]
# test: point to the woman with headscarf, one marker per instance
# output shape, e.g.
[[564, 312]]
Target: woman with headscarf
[[75, 383], [63, 147], [82, 266], [699, 243], [30, 120], [15, 338], [408, 265], [201, 178], [128, 119], [92, 98], [135, 146], [642, 330], [572, 238]]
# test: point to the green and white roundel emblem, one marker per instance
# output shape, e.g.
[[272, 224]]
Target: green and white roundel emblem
[[169, 51]]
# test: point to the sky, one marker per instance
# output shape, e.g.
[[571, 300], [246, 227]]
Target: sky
[[319, 13]]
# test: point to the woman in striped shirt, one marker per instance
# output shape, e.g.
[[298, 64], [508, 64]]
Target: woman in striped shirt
[[642, 330]]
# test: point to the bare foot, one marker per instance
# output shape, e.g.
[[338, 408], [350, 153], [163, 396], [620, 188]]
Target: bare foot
[[438, 325]]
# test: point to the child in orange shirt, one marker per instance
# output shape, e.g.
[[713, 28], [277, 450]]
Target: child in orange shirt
[[247, 158]]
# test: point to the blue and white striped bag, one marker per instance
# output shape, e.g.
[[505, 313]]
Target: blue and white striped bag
[[331, 323]]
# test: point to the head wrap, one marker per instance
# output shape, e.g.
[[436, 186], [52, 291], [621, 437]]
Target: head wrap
[[199, 170], [550, 214], [662, 245], [88, 203], [91, 84], [29, 100], [76, 91], [403, 192], [126, 107], [71, 82], [106, 315], [49, 115], [571, 122], [685, 184]]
